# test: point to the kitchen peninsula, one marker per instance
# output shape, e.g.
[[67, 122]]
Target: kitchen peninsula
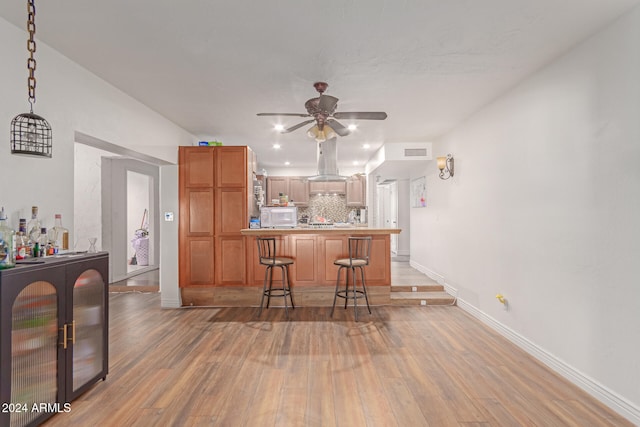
[[315, 249]]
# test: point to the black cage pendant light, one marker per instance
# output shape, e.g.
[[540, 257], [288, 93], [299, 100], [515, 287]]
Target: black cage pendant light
[[30, 133]]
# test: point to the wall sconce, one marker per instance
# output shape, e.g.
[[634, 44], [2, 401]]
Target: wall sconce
[[445, 164]]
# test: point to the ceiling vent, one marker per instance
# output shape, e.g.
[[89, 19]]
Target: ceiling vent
[[415, 152]]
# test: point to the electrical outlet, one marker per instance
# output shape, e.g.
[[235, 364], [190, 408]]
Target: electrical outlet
[[423, 302], [414, 289]]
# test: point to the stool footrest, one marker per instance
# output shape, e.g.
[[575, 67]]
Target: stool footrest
[[354, 294]]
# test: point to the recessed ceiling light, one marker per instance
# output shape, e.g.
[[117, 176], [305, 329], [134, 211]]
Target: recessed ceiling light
[[355, 162], [287, 163], [366, 146], [352, 127], [276, 146], [279, 127]]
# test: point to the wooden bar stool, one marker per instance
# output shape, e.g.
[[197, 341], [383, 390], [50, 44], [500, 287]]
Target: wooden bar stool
[[268, 258], [359, 251]]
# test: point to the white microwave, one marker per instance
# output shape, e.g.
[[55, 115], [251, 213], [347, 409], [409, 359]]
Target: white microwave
[[278, 217]]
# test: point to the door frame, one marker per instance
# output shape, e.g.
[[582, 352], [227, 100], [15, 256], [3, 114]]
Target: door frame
[[114, 214]]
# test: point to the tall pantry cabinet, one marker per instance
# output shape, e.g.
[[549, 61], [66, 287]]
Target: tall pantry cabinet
[[214, 200]]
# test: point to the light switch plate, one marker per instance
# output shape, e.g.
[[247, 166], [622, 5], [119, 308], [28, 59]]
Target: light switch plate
[[168, 216]]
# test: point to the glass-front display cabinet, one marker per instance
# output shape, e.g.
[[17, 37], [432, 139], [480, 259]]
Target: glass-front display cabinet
[[53, 335]]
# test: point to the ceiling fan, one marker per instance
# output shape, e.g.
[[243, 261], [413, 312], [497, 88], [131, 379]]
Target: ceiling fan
[[323, 111]]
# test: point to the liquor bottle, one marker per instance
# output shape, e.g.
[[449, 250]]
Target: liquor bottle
[[7, 243], [44, 242], [23, 250], [60, 235], [33, 227]]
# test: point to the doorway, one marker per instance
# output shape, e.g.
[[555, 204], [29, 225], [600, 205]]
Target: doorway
[[130, 202], [387, 209], [102, 198]]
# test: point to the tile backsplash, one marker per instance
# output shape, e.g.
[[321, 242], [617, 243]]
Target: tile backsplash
[[331, 207]]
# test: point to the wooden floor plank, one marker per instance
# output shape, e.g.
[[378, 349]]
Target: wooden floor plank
[[418, 366]]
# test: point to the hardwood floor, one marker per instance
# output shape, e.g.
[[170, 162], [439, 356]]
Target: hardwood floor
[[400, 366], [149, 281]]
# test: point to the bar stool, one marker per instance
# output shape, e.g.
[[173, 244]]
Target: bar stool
[[359, 250], [268, 258]]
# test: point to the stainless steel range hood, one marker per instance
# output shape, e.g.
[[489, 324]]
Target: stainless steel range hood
[[328, 162]]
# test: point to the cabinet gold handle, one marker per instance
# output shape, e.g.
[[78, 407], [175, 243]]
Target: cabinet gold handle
[[64, 336], [73, 332]]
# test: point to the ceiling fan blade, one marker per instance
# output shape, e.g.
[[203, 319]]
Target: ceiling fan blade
[[338, 127], [327, 103], [361, 115], [298, 126], [283, 114]]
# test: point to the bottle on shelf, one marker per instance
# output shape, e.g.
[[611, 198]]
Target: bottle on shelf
[[60, 235], [44, 242], [22, 241], [33, 227], [7, 243]]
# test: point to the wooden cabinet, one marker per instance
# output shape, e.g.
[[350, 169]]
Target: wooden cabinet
[[356, 194], [230, 261], [231, 166], [215, 190], [296, 187], [305, 268], [299, 190], [327, 187], [53, 334], [275, 186], [314, 254]]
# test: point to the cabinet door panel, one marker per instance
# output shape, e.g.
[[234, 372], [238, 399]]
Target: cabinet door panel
[[335, 187], [379, 261], [231, 167], [304, 270], [231, 214], [356, 191], [200, 212], [230, 260], [275, 186], [199, 262], [331, 248], [200, 161], [299, 190]]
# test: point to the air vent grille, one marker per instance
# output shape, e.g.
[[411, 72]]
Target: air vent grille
[[415, 152]]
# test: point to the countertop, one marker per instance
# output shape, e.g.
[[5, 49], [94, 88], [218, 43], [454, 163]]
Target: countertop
[[314, 230]]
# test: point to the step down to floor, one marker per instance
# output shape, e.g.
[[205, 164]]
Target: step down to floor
[[406, 295]]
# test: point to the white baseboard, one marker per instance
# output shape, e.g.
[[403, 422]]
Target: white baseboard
[[595, 389], [170, 302]]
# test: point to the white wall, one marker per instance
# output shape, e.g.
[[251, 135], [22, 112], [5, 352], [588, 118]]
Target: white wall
[[87, 212], [544, 208], [71, 99]]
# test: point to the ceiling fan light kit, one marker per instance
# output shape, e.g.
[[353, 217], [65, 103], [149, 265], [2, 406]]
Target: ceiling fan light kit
[[322, 109]]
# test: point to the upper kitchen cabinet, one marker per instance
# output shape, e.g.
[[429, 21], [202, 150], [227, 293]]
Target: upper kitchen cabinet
[[327, 187], [275, 186], [356, 191], [200, 170], [296, 187], [299, 190], [231, 166]]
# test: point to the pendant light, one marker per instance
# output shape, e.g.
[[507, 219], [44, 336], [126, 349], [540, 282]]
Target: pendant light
[[30, 133]]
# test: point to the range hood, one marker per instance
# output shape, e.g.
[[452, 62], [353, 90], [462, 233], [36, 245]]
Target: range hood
[[328, 162]]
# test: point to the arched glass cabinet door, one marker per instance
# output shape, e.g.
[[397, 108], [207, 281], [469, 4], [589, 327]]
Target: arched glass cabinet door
[[89, 325], [34, 350]]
